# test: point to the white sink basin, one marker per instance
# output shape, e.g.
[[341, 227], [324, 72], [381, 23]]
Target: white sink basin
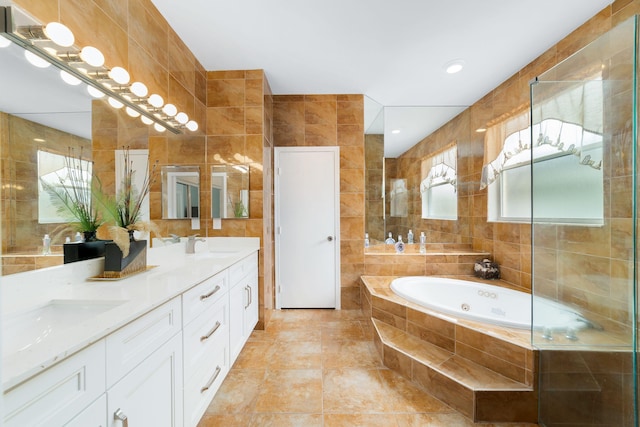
[[21, 331]]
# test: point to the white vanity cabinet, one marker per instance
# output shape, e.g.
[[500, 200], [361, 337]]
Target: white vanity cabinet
[[57, 395], [144, 370], [205, 343], [243, 302]]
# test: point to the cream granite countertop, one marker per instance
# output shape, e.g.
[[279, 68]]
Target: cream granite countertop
[[27, 352]]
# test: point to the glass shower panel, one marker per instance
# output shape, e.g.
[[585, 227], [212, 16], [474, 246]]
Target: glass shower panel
[[583, 255]]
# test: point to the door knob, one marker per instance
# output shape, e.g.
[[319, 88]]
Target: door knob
[[330, 238]]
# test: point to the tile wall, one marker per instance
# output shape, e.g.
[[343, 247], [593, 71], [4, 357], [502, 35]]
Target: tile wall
[[333, 120]]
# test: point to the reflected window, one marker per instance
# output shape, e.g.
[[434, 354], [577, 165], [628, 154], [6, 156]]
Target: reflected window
[[438, 188], [61, 175]]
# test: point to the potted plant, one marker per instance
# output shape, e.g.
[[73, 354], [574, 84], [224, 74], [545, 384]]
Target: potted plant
[[125, 255], [71, 192]]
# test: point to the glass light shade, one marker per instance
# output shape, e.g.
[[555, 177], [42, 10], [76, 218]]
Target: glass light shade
[[95, 92], [35, 60], [146, 120], [131, 112], [69, 79], [159, 127], [92, 56], [156, 100], [139, 89], [4, 42], [119, 75], [115, 103], [59, 34], [192, 125], [170, 110], [182, 118]]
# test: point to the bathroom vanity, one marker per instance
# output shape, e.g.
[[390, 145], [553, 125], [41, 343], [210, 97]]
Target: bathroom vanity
[[149, 350]]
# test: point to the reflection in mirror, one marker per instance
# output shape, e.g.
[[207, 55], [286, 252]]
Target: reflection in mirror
[[374, 170], [230, 191], [180, 192], [399, 198], [438, 186]]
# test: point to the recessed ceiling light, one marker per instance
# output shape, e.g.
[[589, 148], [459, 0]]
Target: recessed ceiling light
[[395, 131], [454, 66]]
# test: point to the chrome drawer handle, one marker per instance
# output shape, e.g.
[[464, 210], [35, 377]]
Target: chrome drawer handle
[[248, 289], [212, 380], [211, 332], [204, 297], [120, 416]]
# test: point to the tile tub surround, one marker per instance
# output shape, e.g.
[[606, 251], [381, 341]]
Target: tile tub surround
[[175, 273], [471, 366], [319, 368]]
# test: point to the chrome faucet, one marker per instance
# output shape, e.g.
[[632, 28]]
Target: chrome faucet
[[191, 243], [173, 239]]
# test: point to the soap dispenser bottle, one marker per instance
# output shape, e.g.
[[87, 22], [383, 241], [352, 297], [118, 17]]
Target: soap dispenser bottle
[[46, 245], [366, 240], [400, 245], [390, 240], [410, 237], [423, 241]]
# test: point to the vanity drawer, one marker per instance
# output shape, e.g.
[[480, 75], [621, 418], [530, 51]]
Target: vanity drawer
[[204, 335], [243, 267], [200, 389], [131, 344], [59, 393], [204, 295]]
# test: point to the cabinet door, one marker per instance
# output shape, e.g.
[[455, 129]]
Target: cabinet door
[[94, 416], [151, 394], [251, 310], [237, 296]]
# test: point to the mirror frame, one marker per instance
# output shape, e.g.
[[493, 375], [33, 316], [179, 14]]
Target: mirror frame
[[171, 176], [221, 177]]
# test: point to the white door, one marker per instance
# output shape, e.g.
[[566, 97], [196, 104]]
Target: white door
[[307, 227]]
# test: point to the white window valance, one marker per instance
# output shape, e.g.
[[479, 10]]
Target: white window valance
[[441, 169], [568, 124]]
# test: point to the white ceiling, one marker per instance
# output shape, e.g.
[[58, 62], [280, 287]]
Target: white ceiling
[[392, 51]]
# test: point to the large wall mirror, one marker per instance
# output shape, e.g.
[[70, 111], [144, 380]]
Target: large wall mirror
[[389, 132], [180, 192], [230, 191]]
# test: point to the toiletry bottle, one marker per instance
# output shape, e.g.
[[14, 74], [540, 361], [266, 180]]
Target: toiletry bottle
[[423, 241], [400, 245], [390, 240], [410, 237], [46, 245], [78, 237], [366, 240]]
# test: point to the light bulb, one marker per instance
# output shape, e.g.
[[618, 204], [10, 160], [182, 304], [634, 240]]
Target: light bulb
[[131, 112], [159, 127], [4, 42], [139, 89], [69, 79], [146, 120], [170, 110], [115, 103], [119, 75], [35, 60], [156, 100], [59, 34], [182, 118], [95, 92], [92, 56], [192, 125], [454, 66]]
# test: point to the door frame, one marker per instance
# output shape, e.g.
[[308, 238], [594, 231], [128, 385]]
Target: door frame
[[336, 213]]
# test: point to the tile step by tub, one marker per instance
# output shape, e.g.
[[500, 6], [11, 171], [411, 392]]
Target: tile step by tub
[[477, 392]]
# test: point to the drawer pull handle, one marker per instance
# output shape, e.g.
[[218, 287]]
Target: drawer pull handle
[[212, 380], [211, 332], [204, 297], [248, 289], [120, 416]]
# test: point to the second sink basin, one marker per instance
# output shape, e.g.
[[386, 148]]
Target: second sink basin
[[43, 323]]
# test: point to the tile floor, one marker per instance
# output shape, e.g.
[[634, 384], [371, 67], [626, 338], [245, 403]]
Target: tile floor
[[319, 368]]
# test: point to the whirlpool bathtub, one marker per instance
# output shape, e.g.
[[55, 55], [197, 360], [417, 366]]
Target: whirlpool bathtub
[[487, 303]]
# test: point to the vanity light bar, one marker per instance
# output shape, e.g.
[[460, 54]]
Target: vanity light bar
[[30, 38]]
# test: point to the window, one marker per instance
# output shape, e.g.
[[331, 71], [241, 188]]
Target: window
[[438, 188], [58, 171], [564, 161]]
